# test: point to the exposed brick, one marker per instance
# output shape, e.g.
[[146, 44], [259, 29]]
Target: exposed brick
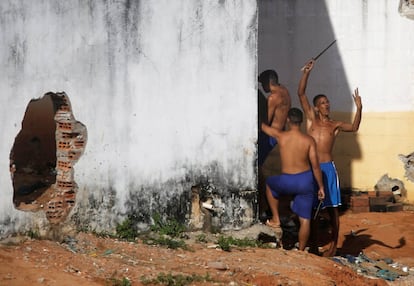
[[64, 176], [65, 135], [385, 194], [64, 107], [64, 185], [73, 155], [71, 140], [65, 145], [62, 116], [65, 125], [64, 165], [379, 207], [396, 207], [380, 200], [56, 210], [359, 201], [70, 197], [79, 143], [372, 193]]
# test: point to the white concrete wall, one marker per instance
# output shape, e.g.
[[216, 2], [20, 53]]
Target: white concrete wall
[[374, 52], [166, 89]]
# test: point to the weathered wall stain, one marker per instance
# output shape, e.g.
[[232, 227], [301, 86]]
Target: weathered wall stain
[[155, 83]]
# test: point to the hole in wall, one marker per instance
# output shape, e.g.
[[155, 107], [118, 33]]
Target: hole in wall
[[43, 155], [33, 156]]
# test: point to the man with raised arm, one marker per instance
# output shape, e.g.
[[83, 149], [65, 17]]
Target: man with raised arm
[[324, 130], [300, 168]]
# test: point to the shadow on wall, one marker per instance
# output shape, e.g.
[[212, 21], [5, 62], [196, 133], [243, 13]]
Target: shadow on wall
[[290, 34], [43, 154]]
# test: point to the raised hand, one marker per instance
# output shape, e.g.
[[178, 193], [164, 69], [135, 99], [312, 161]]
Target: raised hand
[[357, 98], [308, 67]]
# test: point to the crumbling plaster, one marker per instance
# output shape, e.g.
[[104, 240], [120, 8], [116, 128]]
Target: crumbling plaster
[[167, 92]]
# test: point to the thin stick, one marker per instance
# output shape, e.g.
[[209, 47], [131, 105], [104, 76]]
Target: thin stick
[[317, 210], [320, 54], [324, 50]]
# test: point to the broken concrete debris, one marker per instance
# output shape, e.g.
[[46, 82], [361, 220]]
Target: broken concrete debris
[[384, 268], [408, 161]]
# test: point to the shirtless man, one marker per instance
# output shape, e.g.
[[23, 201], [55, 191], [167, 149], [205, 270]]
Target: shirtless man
[[300, 168], [278, 101], [324, 130], [275, 113]]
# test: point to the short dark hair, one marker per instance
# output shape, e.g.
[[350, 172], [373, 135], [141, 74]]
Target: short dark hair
[[295, 115], [267, 77], [317, 97]]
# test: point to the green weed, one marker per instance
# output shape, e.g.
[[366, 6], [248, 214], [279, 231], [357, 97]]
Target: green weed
[[226, 242], [176, 280], [33, 234], [118, 282], [202, 238], [126, 230], [104, 234], [168, 227]]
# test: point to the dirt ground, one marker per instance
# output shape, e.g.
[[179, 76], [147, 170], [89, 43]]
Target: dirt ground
[[87, 259]]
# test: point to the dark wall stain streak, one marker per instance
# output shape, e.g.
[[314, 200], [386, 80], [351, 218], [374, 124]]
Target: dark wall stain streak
[[172, 200]]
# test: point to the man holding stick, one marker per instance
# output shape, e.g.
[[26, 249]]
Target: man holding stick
[[324, 130]]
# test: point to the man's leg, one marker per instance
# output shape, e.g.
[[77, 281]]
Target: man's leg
[[274, 207], [304, 231], [334, 221], [314, 235], [263, 204]]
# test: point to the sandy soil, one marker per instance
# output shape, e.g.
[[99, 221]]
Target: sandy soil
[[86, 259]]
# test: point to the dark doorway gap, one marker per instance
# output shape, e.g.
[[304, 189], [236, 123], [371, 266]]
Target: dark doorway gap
[[33, 155]]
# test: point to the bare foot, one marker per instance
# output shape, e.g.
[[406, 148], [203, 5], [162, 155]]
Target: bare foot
[[273, 224], [330, 252], [276, 229]]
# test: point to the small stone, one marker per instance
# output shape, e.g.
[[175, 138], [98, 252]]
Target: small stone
[[217, 265]]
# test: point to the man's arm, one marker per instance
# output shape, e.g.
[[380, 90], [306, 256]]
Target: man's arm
[[316, 169], [307, 108], [271, 108], [273, 132], [347, 127]]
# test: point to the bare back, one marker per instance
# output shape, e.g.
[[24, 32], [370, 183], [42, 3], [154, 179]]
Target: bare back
[[279, 103], [295, 150]]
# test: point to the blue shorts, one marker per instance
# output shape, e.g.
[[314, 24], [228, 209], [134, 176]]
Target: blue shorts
[[331, 185], [302, 185], [265, 146], [272, 142]]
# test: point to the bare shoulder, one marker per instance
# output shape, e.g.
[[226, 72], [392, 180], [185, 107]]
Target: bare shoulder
[[282, 93], [310, 139], [336, 123], [283, 90], [275, 97], [306, 139]]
